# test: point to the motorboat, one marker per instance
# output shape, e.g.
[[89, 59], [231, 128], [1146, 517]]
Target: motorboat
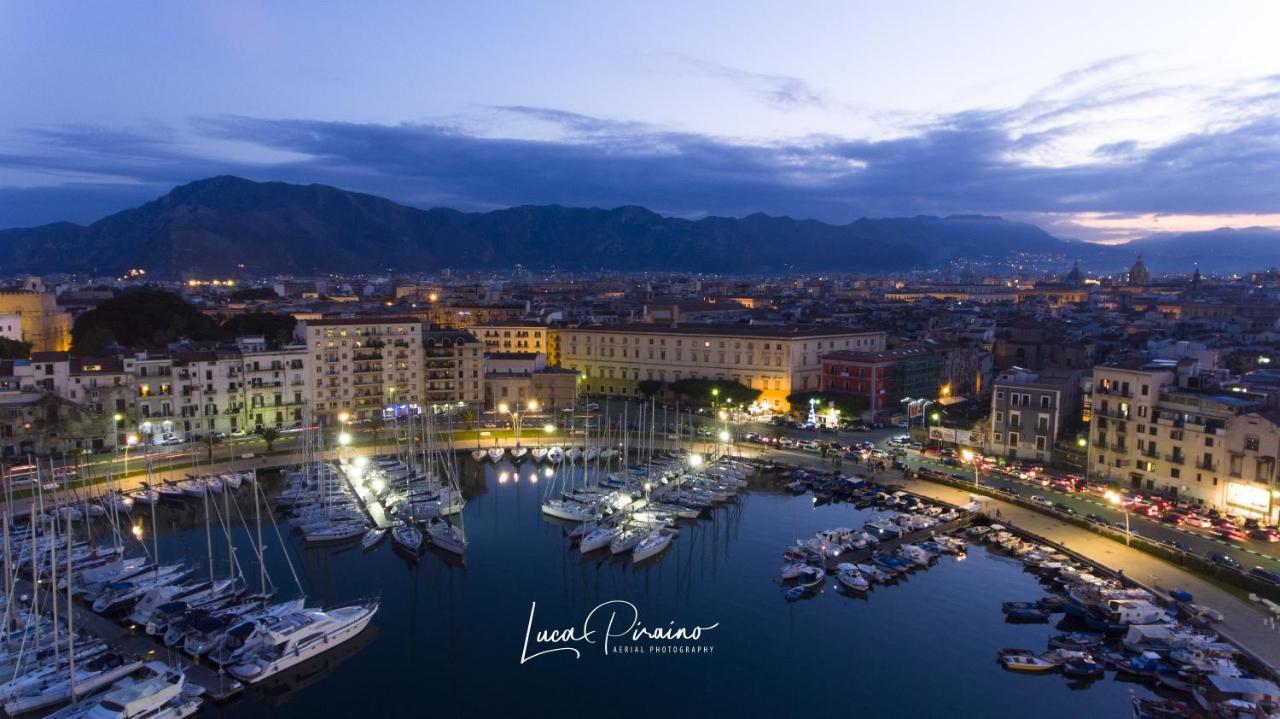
[[1026, 662], [812, 576], [302, 636], [850, 578], [153, 692]]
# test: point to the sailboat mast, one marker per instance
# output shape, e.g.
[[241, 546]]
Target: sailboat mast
[[208, 530], [257, 519], [71, 628]]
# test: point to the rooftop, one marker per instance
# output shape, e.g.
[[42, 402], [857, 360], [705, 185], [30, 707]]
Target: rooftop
[[735, 330]]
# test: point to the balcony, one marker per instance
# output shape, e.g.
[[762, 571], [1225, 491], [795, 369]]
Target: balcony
[[1112, 392], [1206, 466], [1175, 458]]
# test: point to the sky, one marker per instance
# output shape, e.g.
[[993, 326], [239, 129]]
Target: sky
[[1103, 121]]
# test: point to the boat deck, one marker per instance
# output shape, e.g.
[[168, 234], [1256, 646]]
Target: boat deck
[[217, 686]]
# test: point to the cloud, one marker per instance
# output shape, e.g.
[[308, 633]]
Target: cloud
[[782, 92], [974, 161]]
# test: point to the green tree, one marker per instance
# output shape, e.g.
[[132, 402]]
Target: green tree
[[850, 406], [702, 391], [650, 387], [377, 424], [139, 318], [13, 349], [269, 435], [469, 416], [277, 328]]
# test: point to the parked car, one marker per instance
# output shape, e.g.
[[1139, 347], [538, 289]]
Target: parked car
[[1231, 534], [1041, 501], [1222, 560], [1096, 519], [1172, 518], [1266, 534], [1178, 545], [1265, 575], [1063, 508]]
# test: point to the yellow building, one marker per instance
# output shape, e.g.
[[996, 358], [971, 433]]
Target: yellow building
[[777, 360], [46, 327]]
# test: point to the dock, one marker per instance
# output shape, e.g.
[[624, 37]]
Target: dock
[[372, 505], [217, 685], [920, 535]]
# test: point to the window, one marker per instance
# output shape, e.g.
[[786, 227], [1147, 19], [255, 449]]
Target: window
[[1040, 442], [999, 417], [1251, 444], [1208, 441], [1175, 473], [999, 395], [1044, 402]]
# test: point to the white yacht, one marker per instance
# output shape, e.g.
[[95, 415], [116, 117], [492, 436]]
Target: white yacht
[[161, 693], [298, 637], [652, 544], [572, 511], [446, 536], [598, 538]]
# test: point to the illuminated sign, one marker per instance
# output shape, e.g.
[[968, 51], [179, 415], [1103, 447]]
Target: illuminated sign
[[1248, 496]]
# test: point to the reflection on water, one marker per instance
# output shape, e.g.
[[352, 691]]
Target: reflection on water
[[448, 638]]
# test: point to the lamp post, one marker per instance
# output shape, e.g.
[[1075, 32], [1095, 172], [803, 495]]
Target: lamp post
[[344, 417], [129, 440], [504, 408], [1116, 501]]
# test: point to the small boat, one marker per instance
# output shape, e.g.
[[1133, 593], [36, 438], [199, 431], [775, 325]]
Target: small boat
[[538, 453], [555, 455], [1027, 615], [812, 576], [519, 453], [627, 540], [1027, 663], [794, 593], [372, 537], [651, 545], [407, 537], [793, 570], [850, 578], [479, 455], [496, 454]]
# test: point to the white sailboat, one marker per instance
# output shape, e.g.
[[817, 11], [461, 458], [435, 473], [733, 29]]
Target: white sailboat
[[446, 536], [651, 545]]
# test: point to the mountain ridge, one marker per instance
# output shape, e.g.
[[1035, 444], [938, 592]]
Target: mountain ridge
[[226, 223]]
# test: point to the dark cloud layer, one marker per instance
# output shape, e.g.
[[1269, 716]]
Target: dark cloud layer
[[964, 162]]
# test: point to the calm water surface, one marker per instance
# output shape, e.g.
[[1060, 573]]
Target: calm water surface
[[448, 639]]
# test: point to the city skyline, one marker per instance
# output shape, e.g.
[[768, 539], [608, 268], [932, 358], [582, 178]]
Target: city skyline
[[1089, 129]]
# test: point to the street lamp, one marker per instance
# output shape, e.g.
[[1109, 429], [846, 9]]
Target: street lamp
[[1116, 501], [129, 440], [504, 408], [695, 461], [968, 456]]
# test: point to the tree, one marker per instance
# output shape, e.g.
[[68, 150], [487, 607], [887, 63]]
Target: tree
[[210, 440], [702, 391], [377, 424], [469, 416], [269, 435], [276, 328], [139, 318], [14, 349], [849, 405], [650, 387]]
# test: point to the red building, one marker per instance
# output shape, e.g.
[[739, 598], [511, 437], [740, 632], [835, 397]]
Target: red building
[[882, 378]]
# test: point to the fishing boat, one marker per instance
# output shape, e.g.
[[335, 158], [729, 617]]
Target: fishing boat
[[812, 576], [372, 537], [496, 454], [446, 536], [651, 545], [407, 537], [1026, 662]]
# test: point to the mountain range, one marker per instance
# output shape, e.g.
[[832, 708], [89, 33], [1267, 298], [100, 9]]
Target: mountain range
[[224, 224]]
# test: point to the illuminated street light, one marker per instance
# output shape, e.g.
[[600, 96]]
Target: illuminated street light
[[549, 428], [533, 405], [1117, 501], [724, 435], [344, 439], [344, 417], [131, 439], [1082, 442], [504, 408], [695, 460]]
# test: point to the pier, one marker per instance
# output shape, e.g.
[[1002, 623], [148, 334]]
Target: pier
[[372, 505], [217, 685], [920, 535]]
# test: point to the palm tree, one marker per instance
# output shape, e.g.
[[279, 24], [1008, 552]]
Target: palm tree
[[469, 416], [269, 435], [209, 441]]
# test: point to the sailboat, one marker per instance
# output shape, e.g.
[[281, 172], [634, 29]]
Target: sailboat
[[407, 537], [538, 453], [651, 545], [446, 536], [372, 537], [479, 455]]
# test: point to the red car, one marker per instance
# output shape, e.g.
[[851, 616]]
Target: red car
[[1231, 534], [1266, 534]]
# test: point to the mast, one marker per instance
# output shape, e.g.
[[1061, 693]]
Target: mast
[[208, 530], [71, 630], [257, 519]]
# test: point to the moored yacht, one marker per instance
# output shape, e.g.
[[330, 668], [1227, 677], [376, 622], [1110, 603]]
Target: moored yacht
[[301, 636]]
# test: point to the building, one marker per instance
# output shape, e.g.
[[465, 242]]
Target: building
[[43, 323], [777, 360], [516, 378], [1030, 411], [883, 378], [514, 336], [453, 368], [1162, 427], [11, 327], [365, 367], [467, 316]]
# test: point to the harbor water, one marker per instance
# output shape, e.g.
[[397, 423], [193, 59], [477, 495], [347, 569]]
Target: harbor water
[[449, 638]]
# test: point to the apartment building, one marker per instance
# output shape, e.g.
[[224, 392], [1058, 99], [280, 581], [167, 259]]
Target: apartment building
[[516, 378], [453, 368], [777, 360], [1030, 411], [884, 377], [514, 336], [1162, 427], [365, 367]]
